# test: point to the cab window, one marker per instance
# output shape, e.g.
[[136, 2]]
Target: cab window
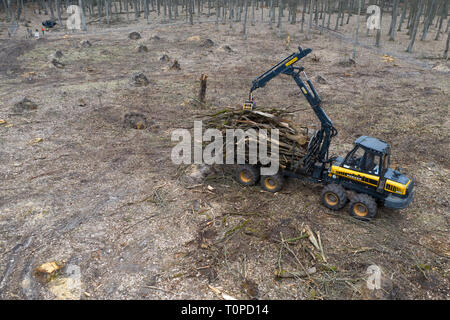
[[364, 161], [353, 159], [370, 163]]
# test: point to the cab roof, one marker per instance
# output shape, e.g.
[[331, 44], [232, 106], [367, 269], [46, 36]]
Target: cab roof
[[373, 144]]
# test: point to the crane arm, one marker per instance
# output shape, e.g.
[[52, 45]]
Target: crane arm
[[285, 66], [279, 68]]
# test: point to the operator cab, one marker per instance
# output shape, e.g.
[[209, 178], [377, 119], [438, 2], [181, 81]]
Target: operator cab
[[366, 167], [370, 155]]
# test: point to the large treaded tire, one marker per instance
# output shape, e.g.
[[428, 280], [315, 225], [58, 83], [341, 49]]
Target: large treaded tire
[[247, 174], [272, 183], [334, 196], [363, 207]]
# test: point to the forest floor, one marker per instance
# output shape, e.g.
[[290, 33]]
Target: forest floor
[[81, 188]]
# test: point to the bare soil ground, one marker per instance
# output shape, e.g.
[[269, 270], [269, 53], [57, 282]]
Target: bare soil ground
[[81, 187]]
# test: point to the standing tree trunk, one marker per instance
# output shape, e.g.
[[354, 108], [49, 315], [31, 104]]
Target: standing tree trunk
[[446, 46], [6, 9], [303, 15], [393, 21], [355, 43], [324, 13], [217, 15], [308, 29], [402, 18], [415, 26], [338, 16], [428, 20], [443, 15], [107, 7], [191, 12], [330, 12], [280, 13], [52, 14], [83, 17], [253, 12], [245, 19], [378, 37], [270, 14], [350, 11], [58, 12], [230, 13], [136, 11]]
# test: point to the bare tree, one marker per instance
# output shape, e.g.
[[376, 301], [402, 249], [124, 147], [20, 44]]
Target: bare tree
[[280, 14], [324, 14], [428, 19], [308, 29], [355, 43], [446, 46], [303, 15], [402, 18], [58, 12], [443, 15], [393, 21], [416, 25], [378, 36], [231, 13], [339, 15], [245, 19], [83, 17], [6, 9]]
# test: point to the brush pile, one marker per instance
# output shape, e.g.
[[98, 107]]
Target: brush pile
[[293, 139]]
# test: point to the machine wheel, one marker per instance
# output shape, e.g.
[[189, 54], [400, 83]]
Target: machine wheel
[[334, 196], [272, 183], [247, 175], [363, 207]]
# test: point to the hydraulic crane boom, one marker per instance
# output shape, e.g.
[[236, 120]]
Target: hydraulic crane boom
[[327, 131]]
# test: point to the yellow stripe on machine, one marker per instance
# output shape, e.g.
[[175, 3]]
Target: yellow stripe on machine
[[396, 187], [355, 175], [291, 62]]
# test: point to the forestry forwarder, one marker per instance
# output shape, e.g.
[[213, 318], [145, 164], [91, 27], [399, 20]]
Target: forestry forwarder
[[364, 170]]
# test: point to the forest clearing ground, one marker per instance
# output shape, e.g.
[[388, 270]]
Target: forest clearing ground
[[108, 199]]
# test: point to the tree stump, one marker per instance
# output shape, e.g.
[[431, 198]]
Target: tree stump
[[202, 93], [134, 35]]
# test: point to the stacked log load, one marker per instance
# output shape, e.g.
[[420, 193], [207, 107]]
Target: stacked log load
[[293, 138]]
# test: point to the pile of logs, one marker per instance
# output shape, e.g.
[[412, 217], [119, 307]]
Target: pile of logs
[[293, 139]]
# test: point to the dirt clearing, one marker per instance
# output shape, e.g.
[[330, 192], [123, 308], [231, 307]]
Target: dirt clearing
[[84, 188]]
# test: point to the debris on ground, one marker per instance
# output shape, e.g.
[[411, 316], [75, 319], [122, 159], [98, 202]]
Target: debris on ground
[[81, 102], [142, 48], [139, 79], [164, 58], [85, 43], [347, 62], [35, 140], [175, 65], [194, 38], [24, 105], [47, 270], [320, 79], [196, 173], [225, 48], [207, 43], [58, 64], [155, 38], [134, 35], [387, 58], [293, 138], [135, 120]]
